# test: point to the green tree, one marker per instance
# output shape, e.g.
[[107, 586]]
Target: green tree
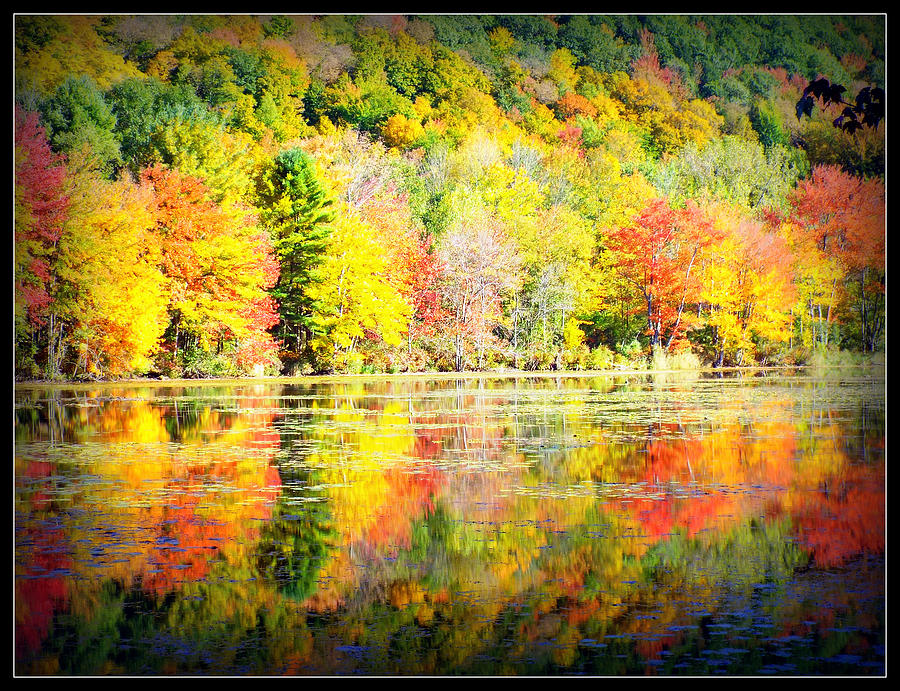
[[594, 42], [733, 169], [142, 107], [294, 207], [280, 26], [768, 124], [79, 117]]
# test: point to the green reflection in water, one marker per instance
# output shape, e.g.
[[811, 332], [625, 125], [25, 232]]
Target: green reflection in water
[[473, 526]]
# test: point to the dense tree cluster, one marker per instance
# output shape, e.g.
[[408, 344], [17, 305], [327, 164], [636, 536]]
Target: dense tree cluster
[[219, 195]]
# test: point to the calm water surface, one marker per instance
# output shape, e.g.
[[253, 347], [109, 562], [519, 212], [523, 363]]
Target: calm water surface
[[559, 525]]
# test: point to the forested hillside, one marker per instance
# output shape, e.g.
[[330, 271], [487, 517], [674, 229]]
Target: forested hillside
[[226, 195]]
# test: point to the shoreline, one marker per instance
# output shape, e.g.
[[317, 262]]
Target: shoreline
[[435, 376]]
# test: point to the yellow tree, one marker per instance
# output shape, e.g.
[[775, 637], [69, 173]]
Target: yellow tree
[[110, 287], [671, 121], [402, 132], [562, 70], [224, 160], [69, 46], [556, 247], [355, 298], [817, 285], [745, 287]]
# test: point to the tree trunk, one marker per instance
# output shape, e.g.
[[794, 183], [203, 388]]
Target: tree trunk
[[54, 346], [654, 334], [481, 335], [687, 277]]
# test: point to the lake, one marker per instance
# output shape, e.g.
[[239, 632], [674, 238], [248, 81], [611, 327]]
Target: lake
[[670, 524]]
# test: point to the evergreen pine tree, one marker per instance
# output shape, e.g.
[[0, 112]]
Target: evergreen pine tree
[[295, 210]]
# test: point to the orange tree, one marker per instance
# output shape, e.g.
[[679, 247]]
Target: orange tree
[[657, 255], [844, 217], [218, 267]]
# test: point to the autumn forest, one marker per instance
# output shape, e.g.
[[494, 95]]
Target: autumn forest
[[218, 196]]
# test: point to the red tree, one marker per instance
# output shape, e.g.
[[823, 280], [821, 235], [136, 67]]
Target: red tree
[[40, 210], [657, 254], [845, 217]]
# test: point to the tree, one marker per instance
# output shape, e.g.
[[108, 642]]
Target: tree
[[670, 121], [145, 107], [110, 290], [733, 170], [41, 205], [412, 265], [354, 297], [572, 104], [420, 272], [401, 131], [217, 264], [555, 247], [279, 25], [64, 46], [78, 116], [295, 209], [745, 287], [843, 218], [852, 138], [480, 269], [595, 42], [768, 124], [223, 159], [656, 254]]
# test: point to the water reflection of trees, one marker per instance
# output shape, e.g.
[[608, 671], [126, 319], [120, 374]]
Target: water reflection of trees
[[457, 529], [137, 510]]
